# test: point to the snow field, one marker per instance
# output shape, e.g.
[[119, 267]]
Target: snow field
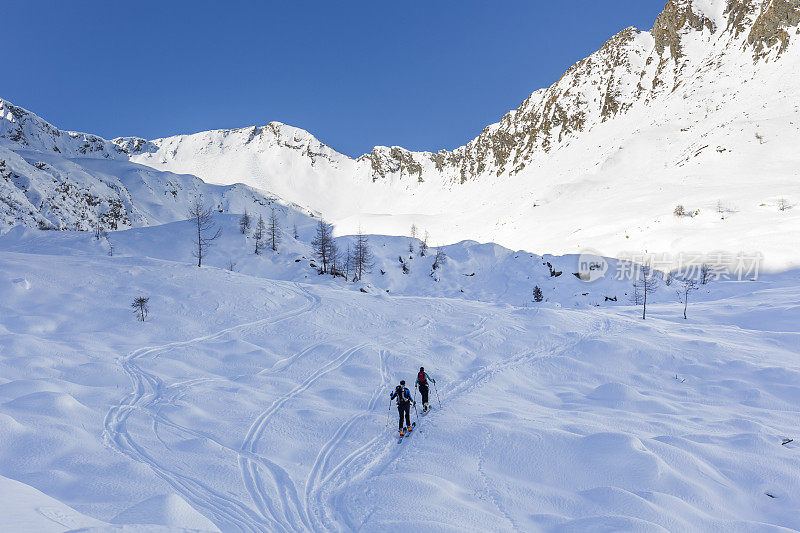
[[251, 404]]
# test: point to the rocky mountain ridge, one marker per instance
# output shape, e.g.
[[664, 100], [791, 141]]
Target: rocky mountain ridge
[[634, 68]]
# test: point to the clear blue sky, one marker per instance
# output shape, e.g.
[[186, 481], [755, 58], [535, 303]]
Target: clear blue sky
[[423, 75]]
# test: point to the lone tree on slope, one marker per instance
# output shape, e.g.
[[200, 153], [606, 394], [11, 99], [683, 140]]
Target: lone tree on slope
[[244, 223], [423, 246], [439, 261], [347, 261], [258, 234], [323, 245], [687, 286], [336, 260], [273, 230], [362, 257], [202, 218], [139, 305], [646, 282]]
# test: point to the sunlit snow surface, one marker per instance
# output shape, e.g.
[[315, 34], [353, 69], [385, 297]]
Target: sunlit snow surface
[[246, 403]]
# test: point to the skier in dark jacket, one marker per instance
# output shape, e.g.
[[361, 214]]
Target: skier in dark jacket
[[404, 402], [422, 384]]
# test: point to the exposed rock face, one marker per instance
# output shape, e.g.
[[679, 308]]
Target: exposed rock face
[[677, 18], [772, 26], [632, 68], [27, 131]]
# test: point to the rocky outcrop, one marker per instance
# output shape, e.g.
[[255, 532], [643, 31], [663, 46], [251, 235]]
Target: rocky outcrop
[[672, 24], [773, 25], [23, 129], [632, 68]]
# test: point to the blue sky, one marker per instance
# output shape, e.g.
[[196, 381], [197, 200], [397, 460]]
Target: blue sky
[[423, 75]]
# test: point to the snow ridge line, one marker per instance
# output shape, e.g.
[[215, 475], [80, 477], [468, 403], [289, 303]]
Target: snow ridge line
[[149, 390]]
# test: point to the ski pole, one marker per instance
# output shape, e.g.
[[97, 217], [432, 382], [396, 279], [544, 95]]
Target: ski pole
[[389, 412], [415, 411], [437, 394]]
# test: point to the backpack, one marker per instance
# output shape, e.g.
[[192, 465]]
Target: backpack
[[402, 395], [421, 379]]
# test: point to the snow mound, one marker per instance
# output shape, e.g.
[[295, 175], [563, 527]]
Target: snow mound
[[165, 510]]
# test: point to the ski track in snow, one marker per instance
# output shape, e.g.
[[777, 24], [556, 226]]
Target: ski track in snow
[[324, 484], [491, 492], [374, 457], [293, 513], [149, 390], [314, 504], [289, 513]]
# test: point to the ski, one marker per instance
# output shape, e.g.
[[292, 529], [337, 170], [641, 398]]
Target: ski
[[407, 433]]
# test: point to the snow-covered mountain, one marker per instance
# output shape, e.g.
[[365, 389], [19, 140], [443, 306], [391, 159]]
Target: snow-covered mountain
[[254, 394], [66, 180], [702, 111]]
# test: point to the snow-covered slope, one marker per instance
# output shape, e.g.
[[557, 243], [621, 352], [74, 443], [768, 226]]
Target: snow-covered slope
[[701, 111], [250, 404], [48, 191]]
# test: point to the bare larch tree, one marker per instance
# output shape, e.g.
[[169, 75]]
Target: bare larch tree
[[687, 286], [646, 282], [348, 262], [337, 266], [244, 223], [258, 234], [139, 305], [202, 218], [438, 262], [362, 257], [274, 230], [322, 245]]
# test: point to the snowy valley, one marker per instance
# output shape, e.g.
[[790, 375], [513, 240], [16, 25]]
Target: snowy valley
[[253, 393], [259, 401]]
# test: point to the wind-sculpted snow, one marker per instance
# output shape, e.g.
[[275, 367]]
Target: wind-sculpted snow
[[250, 404]]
